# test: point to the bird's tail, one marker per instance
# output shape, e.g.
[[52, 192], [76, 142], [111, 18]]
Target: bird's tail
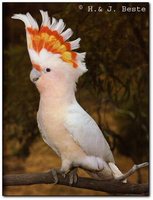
[[116, 172], [104, 174], [108, 173]]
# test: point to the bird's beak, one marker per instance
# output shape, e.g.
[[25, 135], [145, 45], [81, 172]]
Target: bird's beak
[[34, 75]]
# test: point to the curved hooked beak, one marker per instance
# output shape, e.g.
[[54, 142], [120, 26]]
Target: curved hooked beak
[[34, 75]]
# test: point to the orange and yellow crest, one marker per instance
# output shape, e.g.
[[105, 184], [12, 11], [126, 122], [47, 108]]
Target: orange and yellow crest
[[50, 36], [53, 42]]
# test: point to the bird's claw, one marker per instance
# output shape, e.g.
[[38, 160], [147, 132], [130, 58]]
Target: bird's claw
[[54, 174], [63, 174], [73, 178]]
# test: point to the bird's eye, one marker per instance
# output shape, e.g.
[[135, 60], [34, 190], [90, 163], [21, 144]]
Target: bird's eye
[[48, 69]]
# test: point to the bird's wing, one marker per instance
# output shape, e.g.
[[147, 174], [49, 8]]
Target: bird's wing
[[86, 133]]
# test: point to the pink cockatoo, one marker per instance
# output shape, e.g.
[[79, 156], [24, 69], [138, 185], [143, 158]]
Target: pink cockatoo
[[65, 126]]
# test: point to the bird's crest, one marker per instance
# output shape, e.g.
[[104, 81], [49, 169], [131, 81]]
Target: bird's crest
[[50, 36]]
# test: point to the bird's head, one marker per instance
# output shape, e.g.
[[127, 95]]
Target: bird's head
[[53, 60]]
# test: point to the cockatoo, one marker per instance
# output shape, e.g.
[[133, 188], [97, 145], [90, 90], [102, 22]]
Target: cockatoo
[[65, 126]]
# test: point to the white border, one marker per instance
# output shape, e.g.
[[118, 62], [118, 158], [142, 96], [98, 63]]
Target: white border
[[1, 101], [73, 1], [151, 91]]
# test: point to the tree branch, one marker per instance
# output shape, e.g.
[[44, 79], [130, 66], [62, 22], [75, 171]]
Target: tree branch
[[132, 170], [111, 186]]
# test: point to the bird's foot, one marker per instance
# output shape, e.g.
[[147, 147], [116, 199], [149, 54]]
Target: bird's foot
[[71, 174], [55, 173], [73, 177]]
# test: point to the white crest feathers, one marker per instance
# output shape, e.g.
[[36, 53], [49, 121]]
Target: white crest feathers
[[58, 26]]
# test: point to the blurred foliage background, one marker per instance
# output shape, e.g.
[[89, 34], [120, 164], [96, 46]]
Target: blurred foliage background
[[115, 90]]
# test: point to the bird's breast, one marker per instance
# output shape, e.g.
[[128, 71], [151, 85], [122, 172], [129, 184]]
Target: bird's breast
[[52, 127]]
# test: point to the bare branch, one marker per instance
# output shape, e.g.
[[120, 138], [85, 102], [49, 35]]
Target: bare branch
[[111, 186], [132, 171]]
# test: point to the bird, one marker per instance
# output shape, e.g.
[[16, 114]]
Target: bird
[[64, 125]]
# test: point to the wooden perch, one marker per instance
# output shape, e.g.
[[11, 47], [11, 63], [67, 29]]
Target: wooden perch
[[111, 186], [132, 170]]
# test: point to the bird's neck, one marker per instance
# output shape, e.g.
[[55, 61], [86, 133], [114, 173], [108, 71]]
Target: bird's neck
[[58, 96]]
